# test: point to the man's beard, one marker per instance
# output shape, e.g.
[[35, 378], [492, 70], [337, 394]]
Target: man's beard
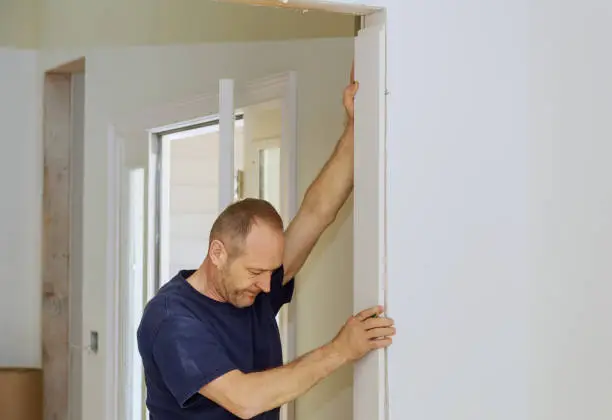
[[235, 297]]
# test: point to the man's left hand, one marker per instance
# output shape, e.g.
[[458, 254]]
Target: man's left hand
[[349, 99]]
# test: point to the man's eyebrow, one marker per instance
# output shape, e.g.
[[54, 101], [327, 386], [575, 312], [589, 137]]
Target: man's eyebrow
[[264, 269]]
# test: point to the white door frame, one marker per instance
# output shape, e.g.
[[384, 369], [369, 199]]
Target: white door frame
[[140, 128], [369, 237]]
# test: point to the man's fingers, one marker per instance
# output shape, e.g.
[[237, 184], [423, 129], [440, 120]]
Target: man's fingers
[[378, 333], [378, 322], [381, 343], [370, 312], [351, 91], [353, 72]]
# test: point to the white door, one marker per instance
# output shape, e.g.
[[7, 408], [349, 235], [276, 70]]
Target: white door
[[369, 224]]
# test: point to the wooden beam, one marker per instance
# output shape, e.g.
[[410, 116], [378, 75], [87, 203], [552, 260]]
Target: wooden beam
[[56, 245], [75, 66]]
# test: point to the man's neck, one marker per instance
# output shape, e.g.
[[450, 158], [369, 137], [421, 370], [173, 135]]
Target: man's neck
[[205, 279]]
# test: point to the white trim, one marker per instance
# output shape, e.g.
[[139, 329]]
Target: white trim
[[227, 122], [151, 267], [143, 127], [164, 210], [182, 125], [289, 207], [369, 386], [187, 132], [289, 188]]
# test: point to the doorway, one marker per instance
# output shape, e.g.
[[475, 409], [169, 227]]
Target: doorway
[[171, 192], [321, 122], [187, 193]]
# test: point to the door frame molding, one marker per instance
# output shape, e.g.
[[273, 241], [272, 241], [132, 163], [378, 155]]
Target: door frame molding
[[141, 127]]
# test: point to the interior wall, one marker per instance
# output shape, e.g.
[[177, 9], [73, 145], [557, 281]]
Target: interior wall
[[498, 209], [457, 210], [155, 76], [20, 208], [570, 203]]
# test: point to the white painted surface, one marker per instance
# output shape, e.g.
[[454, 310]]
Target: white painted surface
[[499, 203], [369, 387], [20, 208], [154, 77], [194, 199], [191, 193], [498, 209], [262, 130], [226, 143], [457, 210], [570, 207]]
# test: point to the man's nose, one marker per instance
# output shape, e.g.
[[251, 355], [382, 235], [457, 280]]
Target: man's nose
[[264, 283]]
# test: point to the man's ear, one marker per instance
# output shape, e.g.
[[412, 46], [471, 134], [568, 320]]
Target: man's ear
[[218, 253]]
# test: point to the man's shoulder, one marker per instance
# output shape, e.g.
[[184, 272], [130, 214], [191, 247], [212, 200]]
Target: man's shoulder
[[166, 307]]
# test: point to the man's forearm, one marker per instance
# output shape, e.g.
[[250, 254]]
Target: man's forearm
[[334, 184], [321, 204], [273, 388]]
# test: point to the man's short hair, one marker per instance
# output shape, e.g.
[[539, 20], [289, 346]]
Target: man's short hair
[[235, 222]]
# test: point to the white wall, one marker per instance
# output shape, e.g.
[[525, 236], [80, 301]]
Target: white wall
[[20, 208], [194, 198], [499, 209], [262, 129], [457, 210], [570, 208], [153, 76]]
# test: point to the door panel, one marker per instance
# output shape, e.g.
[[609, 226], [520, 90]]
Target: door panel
[[369, 227]]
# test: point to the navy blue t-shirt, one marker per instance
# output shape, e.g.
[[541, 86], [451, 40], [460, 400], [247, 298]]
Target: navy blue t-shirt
[[187, 340]]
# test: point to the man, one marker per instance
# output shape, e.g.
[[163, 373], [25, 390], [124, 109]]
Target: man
[[209, 340]]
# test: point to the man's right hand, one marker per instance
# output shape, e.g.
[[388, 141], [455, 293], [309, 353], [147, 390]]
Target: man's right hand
[[363, 333]]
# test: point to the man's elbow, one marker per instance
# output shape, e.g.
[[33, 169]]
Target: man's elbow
[[245, 408], [236, 394], [245, 402]]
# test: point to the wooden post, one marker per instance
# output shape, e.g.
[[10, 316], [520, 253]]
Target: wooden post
[[56, 245]]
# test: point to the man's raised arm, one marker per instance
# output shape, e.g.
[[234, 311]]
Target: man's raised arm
[[325, 196]]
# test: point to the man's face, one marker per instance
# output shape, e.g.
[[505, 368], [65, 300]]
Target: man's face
[[249, 274]]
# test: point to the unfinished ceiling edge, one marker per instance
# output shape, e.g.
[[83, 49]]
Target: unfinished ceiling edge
[[74, 66], [306, 5]]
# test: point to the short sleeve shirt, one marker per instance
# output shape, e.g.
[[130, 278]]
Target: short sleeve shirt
[[187, 340]]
